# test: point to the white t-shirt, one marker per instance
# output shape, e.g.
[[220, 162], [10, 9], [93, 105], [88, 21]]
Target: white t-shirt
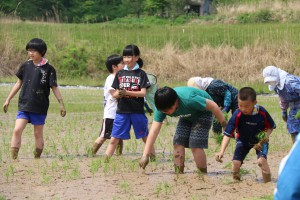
[[110, 105]]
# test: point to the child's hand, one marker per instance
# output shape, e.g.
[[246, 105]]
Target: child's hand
[[219, 157], [62, 108], [5, 107], [122, 92], [144, 161], [257, 147], [224, 124]]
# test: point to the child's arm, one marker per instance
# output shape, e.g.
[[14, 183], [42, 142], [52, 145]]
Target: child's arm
[[13, 92], [224, 145], [141, 93], [214, 108], [58, 96], [153, 133]]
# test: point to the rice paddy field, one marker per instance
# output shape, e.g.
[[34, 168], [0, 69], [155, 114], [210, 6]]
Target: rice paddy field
[[235, 53], [68, 171]]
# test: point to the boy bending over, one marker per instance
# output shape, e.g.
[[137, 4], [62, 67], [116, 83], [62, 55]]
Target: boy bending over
[[248, 121]]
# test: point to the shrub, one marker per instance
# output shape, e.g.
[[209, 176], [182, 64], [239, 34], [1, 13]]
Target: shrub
[[74, 62], [261, 16]]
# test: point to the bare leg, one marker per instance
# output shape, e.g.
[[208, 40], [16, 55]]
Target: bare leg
[[97, 144], [39, 140], [265, 169], [112, 146], [236, 165], [17, 133], [16, 138], [200, 159], [179, 158], [120, 147]]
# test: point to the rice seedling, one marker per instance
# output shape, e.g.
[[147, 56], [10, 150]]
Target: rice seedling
[[9, 171], [95, 165], [75, 173], [45, 177], [158, 189], [2, 197], [297, 116], [125, 186]]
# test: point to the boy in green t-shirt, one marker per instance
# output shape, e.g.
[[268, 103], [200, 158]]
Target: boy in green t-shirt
[[194, 107]]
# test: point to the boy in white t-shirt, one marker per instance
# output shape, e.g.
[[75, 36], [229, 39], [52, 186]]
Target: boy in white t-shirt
[[113, 63]]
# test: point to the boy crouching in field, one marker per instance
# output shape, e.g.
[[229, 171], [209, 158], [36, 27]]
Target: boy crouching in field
[[249, 120]]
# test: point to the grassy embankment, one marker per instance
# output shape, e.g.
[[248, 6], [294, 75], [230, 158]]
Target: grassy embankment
[[236, 53]]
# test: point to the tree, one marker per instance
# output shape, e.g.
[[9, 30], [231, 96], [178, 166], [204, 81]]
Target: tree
[[134, 6], [157, 6]]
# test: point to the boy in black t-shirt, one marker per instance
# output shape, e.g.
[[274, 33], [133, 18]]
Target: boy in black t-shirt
[[35, 78]]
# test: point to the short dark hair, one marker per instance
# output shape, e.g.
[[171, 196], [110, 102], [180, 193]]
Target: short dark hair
[[37, 44], [133, 50], [113, 60], [246, 93], [165, 98]]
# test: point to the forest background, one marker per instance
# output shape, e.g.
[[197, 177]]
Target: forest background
[[234, 43]]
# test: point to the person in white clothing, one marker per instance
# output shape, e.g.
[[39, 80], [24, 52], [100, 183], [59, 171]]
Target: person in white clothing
[[114, 63]]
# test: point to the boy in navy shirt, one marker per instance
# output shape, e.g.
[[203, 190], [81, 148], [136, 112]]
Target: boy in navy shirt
[[246, 123]]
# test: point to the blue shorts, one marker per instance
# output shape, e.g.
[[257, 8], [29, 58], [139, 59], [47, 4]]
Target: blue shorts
[[241, 151], [33, 118], [123, 122]]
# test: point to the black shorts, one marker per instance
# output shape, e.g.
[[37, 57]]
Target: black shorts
[[107, 125]]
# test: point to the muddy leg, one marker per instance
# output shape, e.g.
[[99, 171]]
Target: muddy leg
[[37, 153], [96, 147], [14, 152], [236, 165], [200, 159], [120, 148], [179, 157]]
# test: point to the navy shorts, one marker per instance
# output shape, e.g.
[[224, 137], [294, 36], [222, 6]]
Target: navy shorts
[[33, 118], [107, 125], [193, 134], [123, 122], [241, 151]]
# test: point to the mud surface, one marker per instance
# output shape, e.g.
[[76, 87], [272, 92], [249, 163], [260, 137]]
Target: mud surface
[[79, 177]]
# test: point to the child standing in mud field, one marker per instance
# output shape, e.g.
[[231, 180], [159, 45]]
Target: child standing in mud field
[[114, 63], [224, 94], [35, 78], [130, 86], [246, 123], [194, 108], [287, 86]]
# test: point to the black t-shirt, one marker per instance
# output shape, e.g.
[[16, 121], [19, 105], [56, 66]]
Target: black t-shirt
[[37, 80], [133, 80]]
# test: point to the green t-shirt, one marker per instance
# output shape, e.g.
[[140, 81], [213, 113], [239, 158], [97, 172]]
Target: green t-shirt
[[192, 104]]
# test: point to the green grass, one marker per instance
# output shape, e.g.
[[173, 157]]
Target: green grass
[[100, 40]]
